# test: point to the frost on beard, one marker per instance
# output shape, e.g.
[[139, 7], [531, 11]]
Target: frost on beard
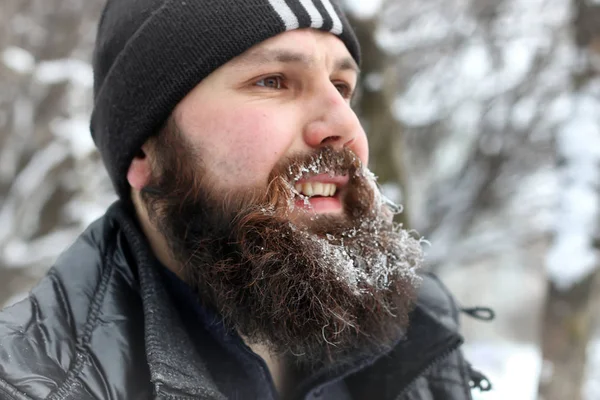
[[358, 255]]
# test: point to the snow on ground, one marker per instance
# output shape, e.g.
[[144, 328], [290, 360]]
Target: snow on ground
[[591, 388], [512, 368]]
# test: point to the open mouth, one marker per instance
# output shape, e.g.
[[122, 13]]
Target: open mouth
[[321, 193]]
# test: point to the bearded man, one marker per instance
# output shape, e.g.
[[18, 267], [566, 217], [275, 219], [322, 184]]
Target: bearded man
[[250, 254]]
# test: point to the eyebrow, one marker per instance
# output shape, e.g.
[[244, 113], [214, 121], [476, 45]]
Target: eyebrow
[[263, 56]]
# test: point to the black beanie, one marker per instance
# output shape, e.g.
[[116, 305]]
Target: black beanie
[[150, 53]]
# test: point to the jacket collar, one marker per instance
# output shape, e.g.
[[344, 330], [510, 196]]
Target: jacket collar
[[427, 343], [174, 369]]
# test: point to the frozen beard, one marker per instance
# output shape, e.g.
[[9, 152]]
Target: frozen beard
[[322, 288]]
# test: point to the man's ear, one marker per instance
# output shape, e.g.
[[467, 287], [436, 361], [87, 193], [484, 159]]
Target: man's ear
[[140, 169]]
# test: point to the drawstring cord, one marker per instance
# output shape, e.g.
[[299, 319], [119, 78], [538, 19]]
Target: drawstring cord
[[480, 313]]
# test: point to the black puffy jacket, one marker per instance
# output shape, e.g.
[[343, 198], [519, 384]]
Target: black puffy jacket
[[101, 325]]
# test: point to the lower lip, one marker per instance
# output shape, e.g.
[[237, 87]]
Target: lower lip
[[321, 205]]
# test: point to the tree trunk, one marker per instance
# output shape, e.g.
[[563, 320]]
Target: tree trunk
[[571, 310], [569, 316]]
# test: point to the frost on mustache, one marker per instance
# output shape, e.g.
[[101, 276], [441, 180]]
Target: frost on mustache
[[316, 166], [357, 256]]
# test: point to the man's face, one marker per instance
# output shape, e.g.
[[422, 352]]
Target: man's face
[[260, 188], [286, 96]]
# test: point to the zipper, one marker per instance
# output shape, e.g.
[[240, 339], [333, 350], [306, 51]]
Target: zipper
[[2, 390], [456, 343], [11, 391]]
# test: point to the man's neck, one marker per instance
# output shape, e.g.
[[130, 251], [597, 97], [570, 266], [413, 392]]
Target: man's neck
[[281, 371]]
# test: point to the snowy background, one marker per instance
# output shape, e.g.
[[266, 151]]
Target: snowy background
[[492, 144]]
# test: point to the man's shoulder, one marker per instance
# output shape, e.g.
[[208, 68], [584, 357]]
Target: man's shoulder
[[65, 293], [49, 337]]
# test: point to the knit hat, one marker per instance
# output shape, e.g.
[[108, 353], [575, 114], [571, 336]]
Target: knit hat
[[150, 53]]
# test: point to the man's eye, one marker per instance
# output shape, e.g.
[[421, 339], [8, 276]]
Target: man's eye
[[272, 82], [344, 89]]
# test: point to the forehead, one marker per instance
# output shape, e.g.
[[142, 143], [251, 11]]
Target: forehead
[[308, 46]]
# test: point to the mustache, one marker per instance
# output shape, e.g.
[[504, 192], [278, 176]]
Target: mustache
[[276, 198], [325, 160]]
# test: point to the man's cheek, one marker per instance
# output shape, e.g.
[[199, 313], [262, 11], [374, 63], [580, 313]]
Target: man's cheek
[[255, 144]]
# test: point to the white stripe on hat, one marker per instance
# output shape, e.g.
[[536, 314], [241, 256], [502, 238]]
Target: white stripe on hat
[[316, 19], [286, 14], [338, 28]]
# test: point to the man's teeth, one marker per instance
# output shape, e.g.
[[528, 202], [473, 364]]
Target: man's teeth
[[316, 189]]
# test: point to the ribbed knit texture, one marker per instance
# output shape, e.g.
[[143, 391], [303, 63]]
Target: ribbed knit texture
[[150, 53]]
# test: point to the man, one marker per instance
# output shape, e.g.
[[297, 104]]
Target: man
[[251, 255]]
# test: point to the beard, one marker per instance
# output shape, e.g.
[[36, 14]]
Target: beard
[[325, 289]]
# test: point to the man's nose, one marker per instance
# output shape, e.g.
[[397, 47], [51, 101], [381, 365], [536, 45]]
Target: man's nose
[[334, 124]]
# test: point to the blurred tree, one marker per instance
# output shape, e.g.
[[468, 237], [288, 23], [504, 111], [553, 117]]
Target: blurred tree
[[44, 140]]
